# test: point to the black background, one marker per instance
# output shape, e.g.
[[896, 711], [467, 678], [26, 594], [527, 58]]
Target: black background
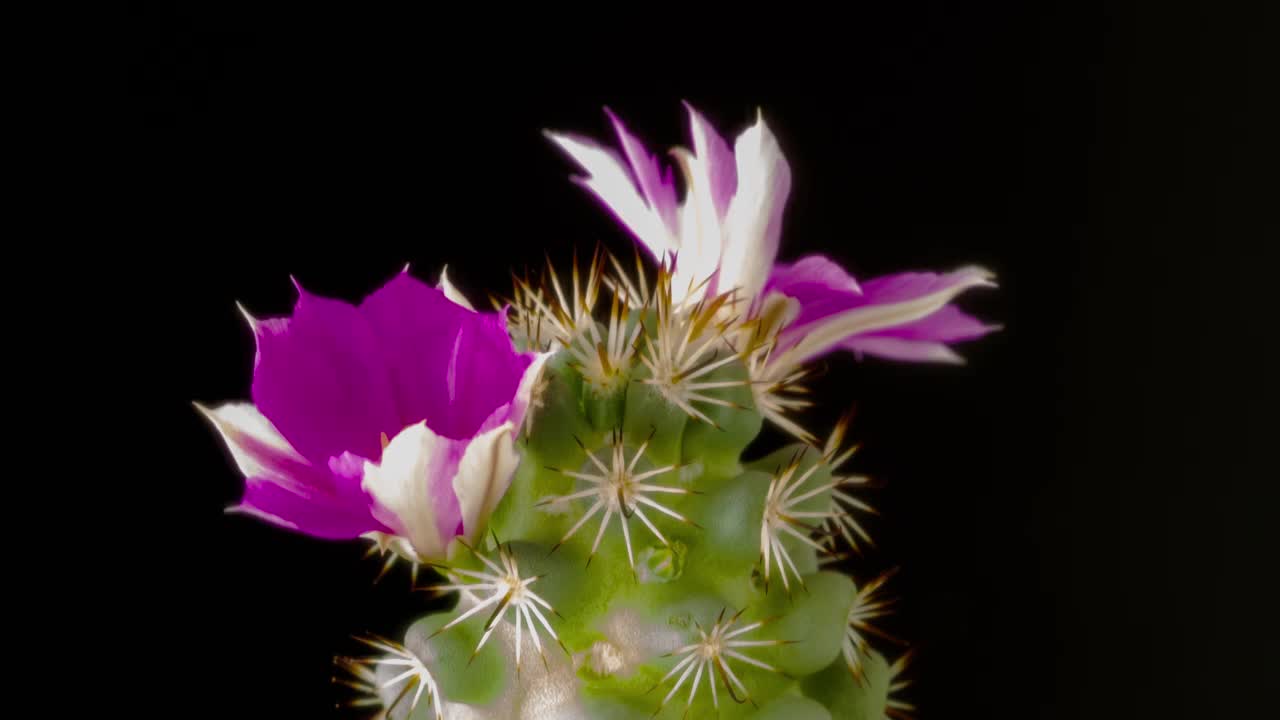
[[1078, 511]]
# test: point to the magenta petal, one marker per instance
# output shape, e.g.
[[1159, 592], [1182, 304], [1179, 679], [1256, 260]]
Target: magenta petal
[[286, 489], [448, 365], [656, 183], [812, 270], [818, 288], [821, 286], [444, 499], [910, 285], [321, 380], [318, 509], [907, 316], [891, 348], [924, 340], [950, 324], [722, 169]]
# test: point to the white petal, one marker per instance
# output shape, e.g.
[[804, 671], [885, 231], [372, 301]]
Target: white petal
[[909, 350], [524, 392], [611, 181], [259, 450], [484, 474], [753, 223], [701, 233], [411, 464], [452, 292]]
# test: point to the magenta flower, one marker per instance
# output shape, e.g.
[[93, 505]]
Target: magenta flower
[[905, 316], [394, 417], [724, 237], [725, 233]]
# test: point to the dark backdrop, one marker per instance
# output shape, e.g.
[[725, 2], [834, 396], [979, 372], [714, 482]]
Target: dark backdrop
[[1077, 511]]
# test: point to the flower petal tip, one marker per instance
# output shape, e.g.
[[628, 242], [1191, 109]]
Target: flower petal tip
[[202, 409], [210, 414], [568, 143], [248, 317], [985, 276], [559, 139], [451, 291]]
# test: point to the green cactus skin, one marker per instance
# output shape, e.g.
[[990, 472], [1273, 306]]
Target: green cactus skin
[[623, 628]]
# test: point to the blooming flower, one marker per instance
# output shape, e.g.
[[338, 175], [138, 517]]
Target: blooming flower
[[724, 238], [725, 234], [905, 316], [395, 417]]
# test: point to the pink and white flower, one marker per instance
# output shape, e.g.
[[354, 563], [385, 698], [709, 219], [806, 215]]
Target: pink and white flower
[[395, 417], [724, 235]]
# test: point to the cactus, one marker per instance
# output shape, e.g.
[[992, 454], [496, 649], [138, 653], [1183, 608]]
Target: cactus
[[639, 565], [581, 482]]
